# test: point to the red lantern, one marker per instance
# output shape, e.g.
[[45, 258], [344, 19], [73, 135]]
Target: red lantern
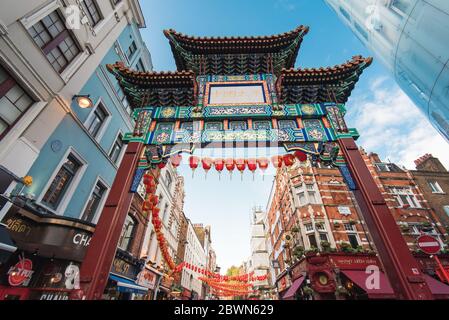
[[151, 189], [219, 166], [301, 156], [156, 212], [154, 200], [193, 163], [277, 161], [252, 165], [147, 179], [230, 165], [176, 160], [207, 164], [241, 166], [289, 159], [147, 205], [161, 165], [263, 165]]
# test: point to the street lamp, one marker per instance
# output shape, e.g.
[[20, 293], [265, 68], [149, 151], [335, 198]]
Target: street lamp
[[83, 101]]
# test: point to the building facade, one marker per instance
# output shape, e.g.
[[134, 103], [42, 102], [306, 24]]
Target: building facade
[[433, 180], [409, 37], [63, 116], [313, 209]]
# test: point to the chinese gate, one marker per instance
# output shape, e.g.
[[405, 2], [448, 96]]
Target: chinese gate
[[244, 92]]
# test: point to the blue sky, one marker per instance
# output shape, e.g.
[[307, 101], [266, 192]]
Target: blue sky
[[387, 120]]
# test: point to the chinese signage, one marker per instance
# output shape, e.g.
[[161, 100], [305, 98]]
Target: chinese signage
[[147, 279]]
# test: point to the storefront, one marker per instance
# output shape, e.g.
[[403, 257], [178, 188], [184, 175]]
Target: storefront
[[122, 283], [46, 263], [298, 279], [149, 279]]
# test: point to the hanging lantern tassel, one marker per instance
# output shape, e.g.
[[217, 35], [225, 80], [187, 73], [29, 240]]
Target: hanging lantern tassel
[[241, 166], [207, 164], [193, 163], [263, 165], [230, 166], [219, 166], [252, 166]]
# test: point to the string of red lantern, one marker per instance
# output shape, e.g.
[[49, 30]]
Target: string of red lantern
[[278, 161]]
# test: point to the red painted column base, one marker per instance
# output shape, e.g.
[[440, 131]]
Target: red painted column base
[[102, 248]]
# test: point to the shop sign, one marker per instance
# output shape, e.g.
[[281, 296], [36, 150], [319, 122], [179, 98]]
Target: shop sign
[[146, 279], [353, 262], [54, 296], [166, 281], [298, 271], [124, 268], [21, 273]]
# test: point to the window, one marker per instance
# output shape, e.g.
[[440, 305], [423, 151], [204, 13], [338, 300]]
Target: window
[[57, 43], [353, 240], [312, 241], [405, 197], [61, 182], [307, 194], [435, 186], [94, 202], [131, 50], [383, 167], [446, 209], [309, 227], [140, 66], [91, 9], [122, 97], [400, 6], [127, 235], [96, 121], [323, 237], [116, 149], [14, 101]]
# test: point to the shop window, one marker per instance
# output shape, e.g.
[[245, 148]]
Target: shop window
[[61, 182], [91, 9], [116, 149], [55, 40], [94, 202], [125, 241], [14, 102]]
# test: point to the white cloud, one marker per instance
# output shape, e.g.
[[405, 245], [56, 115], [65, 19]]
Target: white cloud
[[391, 125]]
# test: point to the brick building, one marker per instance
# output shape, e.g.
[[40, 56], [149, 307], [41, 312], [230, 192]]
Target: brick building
[[433, 180], [312, 209]]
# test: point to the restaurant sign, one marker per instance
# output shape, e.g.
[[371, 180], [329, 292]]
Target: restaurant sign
[[353, 262], [147, 279]]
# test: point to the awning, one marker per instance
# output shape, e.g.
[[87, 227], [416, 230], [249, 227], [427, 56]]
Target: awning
[[438, 288], [385, 291], [294, 287], [126, 285]]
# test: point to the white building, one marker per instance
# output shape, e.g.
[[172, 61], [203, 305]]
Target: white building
[[260, 259], [195, 255]]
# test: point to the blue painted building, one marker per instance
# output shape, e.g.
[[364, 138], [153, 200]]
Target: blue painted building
[[77, 165]]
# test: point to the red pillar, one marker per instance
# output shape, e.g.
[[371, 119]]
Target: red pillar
[[101, 251], [400, 266]]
